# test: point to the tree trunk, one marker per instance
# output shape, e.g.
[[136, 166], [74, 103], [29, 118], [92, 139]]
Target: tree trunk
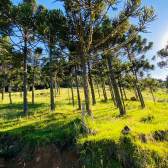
[[3, 83], [59, 90], [139, 93], [10, 97], [33, 94], [136, 93], [72, 89], [68, 95], [91, 85], [153, 96], [77, 85], [51, 83], [98, 88], [25, 106], [57, 87], [121, 95], [111, 90], [117, 95], [86, 85], [104, 89], [55, 84], [3, 93], [125, 94], [33, 84], [137, 87], [21, 92]]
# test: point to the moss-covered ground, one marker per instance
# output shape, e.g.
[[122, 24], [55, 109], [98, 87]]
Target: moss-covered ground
[[101, 143]]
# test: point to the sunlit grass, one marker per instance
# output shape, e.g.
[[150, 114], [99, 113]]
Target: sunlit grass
[[41, 126]]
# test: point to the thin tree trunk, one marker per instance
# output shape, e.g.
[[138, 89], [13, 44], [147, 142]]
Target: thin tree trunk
[[121, 95], [104, 89], [72, 89], [25, 106], [153, 96], [3, 83], [55, 84], [136, 93], [139, 93], [125, 94], [91, 85], [33, 94], [3, 93], [111, 90], [51, 83], [10, 97], [137, 87], [86, 86], [98, 88], [33, 84], [59, 90], [77, 85], [117, 95], [21, 92], [68, 95]]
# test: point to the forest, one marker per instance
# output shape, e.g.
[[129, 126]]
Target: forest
[[76, 86]]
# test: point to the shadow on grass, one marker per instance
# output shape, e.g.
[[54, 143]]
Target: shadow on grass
[[16, 110]]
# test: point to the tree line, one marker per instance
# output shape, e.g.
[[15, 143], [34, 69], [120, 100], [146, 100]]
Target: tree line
[[82, 46]]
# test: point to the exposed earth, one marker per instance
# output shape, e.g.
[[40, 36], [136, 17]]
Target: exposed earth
[[44, 158]]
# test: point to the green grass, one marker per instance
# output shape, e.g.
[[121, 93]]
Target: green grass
[[102, 144]]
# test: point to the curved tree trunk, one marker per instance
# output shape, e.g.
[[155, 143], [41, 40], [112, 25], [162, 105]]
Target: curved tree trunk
[[51, 84], [77, 85], [86, 85], [117, 95], [91, 85], [72, 89], [25, 105]]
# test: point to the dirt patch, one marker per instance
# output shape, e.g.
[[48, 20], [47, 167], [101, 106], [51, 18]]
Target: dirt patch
[[47, 157]]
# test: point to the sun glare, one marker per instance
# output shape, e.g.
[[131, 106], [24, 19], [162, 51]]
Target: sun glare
[[164, 40]]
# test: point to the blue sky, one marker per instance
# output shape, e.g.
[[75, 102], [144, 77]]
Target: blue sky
[[158, 29]]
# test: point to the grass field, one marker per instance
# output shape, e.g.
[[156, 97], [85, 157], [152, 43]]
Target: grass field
[[102, 143]]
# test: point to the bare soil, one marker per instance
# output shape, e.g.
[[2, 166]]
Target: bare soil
[[47, 157]]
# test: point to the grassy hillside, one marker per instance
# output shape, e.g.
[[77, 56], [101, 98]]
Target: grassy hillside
[[101, 143]]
